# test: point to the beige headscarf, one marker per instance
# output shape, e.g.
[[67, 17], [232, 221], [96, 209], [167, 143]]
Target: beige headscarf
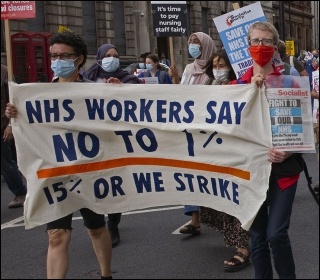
[[194, 69]]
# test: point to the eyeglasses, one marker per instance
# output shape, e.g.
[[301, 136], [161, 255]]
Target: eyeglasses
[[62, 56], [265, 42]]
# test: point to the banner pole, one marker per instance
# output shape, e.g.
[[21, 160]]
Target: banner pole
[[8, 49]]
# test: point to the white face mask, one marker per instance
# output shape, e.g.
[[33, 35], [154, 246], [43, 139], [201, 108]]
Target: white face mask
[[220, 75]]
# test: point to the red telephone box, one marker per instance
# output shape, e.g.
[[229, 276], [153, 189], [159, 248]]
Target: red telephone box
[[20, 43], [29, 57]]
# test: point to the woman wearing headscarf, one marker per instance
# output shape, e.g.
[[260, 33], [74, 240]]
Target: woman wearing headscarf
[[201, 47], [107, 68]]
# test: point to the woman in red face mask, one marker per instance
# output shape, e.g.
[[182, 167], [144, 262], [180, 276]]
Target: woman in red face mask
[[263, 39], [269, 230]]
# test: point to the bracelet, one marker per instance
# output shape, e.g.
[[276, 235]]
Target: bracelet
[[9, 124]]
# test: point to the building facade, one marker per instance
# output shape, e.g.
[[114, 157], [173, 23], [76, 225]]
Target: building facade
[[128, 25]]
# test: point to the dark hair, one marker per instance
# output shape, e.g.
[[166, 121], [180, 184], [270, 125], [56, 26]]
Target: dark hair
[[73, 40], [155, 59], [282, 49], [222, 54], [144, 55]]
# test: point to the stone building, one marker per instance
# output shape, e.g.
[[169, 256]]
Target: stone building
[[128, 25]]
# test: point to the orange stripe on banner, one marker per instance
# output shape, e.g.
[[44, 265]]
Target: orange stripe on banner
[[115, 163]]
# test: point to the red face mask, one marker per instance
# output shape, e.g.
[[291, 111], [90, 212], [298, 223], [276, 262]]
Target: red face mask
[[261, 54]]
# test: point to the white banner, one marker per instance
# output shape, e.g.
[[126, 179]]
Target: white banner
[[116, 148]]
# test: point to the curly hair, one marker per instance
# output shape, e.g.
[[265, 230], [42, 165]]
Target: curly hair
[[73, 40]]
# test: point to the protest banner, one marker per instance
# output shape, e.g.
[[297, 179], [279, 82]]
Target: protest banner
[[277, 62], [315, 86], [290, 111], [116, 148], [18, 9], [169, 18], [233, 30], [149, 80], [290, 47], [14, 10], [315, 80]]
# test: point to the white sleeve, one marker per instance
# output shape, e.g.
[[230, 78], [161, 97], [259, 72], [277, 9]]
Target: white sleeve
[[184, 74]]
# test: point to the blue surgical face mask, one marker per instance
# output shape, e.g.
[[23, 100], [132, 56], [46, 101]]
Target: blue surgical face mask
[[110, 64], [194, 50], [141, 65], [149, 67], [63, 68]]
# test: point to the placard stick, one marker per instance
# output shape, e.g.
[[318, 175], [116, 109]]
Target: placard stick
[[235, 6], [8, 49], [172, 57]]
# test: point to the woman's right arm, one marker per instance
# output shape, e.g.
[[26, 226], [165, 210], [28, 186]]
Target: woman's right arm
[[11, 111]]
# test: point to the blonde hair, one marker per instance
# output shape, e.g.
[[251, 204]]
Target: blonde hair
[[265, 26]]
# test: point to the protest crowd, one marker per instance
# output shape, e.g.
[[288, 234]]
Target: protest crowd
[[266, 241]]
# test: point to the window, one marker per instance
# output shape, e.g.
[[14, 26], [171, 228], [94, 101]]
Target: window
[[204, 18], [37, 24], [189, 20], [89, 26], [119, 28]]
